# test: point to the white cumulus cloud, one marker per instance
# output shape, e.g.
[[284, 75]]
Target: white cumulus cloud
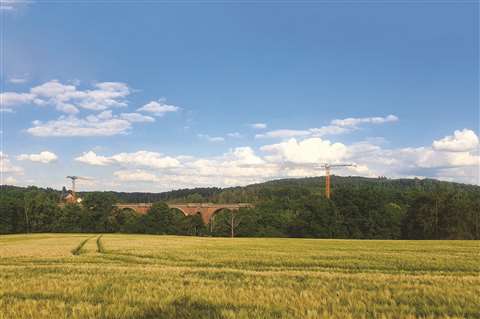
[[74, 126], [146, 158], [137, 175], [69, 99], [13, 98], [213, 139], [6, 165], [158, 108], [18, 80], [92, 158], [102, 124], [338, 126], [283, 134], [352, 121], [66, 97], [234, 135], [136, 117], [42, 157], [461, 141], [309, 151], [140, 158]]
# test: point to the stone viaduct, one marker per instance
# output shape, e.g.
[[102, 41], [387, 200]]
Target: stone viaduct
[[206, 210]]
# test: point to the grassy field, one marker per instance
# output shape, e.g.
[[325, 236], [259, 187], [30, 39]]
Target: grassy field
[[141, 276]]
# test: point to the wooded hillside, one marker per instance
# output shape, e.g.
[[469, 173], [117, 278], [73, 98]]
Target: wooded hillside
[[359, 208]]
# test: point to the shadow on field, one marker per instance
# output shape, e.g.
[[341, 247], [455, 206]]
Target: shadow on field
[[186, 308]]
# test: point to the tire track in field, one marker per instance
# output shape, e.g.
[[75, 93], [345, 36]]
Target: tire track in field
[[121, 257], [81, 248], [127, 258], [100, 248]]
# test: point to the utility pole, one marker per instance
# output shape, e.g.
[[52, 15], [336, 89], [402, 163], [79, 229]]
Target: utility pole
[[234, 221], [436, 216], [327, 181], [25, 209], [232, 226], [476, 213], [212, 219]]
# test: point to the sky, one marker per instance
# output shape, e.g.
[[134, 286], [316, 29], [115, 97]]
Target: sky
[[160, 95]]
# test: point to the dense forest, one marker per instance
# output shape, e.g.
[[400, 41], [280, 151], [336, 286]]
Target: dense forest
[[364, 208]]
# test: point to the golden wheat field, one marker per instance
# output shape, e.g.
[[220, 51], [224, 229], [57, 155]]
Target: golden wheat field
[[143, 276]]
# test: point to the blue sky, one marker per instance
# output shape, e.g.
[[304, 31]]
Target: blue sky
[[157, 95]]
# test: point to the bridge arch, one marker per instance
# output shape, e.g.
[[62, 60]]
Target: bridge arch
[[127, 209], [210, 214], [187, 211], [206, 210], [140, 208]]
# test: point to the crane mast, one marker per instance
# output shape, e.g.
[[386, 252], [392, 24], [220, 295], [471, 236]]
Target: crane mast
[[328, 168], [74, 178], [327, 182]]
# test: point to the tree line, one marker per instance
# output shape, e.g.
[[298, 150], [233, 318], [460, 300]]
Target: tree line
[[359, 208]]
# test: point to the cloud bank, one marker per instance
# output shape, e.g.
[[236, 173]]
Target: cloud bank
[[294, 158]]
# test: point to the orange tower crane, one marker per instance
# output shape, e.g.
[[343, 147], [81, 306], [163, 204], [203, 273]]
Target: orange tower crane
[[327, 168]]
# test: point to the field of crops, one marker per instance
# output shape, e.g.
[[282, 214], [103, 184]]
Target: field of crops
[[141, 276]]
